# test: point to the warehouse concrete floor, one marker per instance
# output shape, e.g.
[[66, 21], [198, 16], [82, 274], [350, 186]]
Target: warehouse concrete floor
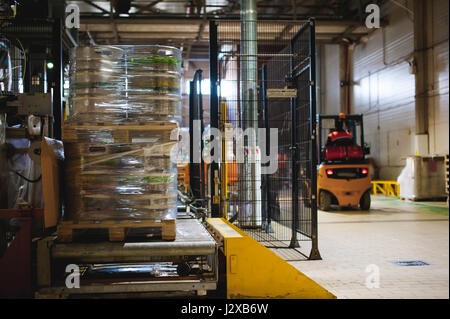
[[357, 247]]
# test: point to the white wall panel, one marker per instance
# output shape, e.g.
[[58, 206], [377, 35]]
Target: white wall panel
[[384, 92], [330, 85], [395, 87], [384, 88]]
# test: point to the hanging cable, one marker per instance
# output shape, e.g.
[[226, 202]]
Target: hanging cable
[[24, 59], [29, 180], [404, 8]]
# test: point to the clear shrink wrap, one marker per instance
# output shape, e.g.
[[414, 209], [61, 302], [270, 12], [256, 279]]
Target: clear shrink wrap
[[153, 58], [125, 83], [422, 178], [120, 181], [125, 103]]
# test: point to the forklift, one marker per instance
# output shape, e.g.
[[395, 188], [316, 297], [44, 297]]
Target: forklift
[[343, 176]]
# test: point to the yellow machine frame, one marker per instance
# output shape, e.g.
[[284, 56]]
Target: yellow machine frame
[[254, 271], [224, 179]]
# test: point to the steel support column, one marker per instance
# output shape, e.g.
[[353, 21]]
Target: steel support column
[[422, 27], [214, 114], [57, 80], [314, 254], [294, 156], [249, 104]]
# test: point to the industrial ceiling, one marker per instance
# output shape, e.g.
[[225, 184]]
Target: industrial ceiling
[[183, 23]]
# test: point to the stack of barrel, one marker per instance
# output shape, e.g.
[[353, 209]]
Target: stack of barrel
[[122, 126]]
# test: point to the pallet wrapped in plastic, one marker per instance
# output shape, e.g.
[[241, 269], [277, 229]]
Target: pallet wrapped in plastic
[[422, 178], [120, 181], [97, 70], [117, 84], [120, 133], [142, 59]]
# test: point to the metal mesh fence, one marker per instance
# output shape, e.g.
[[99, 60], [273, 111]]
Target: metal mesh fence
[[196, 167], [278, 209]]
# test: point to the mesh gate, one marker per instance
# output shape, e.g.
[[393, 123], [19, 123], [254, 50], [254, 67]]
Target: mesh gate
[[277, 209], [196, 126]]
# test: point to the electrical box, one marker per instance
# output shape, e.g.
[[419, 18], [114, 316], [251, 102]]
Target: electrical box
[[34, 104]]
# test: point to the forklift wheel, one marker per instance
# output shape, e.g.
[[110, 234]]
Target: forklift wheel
[[325, 201], [364, 203]]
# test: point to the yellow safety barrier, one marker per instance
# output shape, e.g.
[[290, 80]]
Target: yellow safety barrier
[[254, 271], [387, 188], [224, 165]]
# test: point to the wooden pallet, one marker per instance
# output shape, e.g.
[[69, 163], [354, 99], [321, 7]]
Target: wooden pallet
[[106, 152], [146, 202], [120, 133], [117, 230]]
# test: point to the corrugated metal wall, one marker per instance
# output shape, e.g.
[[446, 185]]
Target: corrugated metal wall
[[384, 87], [439, 106], [384, 92], [329, 102]]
